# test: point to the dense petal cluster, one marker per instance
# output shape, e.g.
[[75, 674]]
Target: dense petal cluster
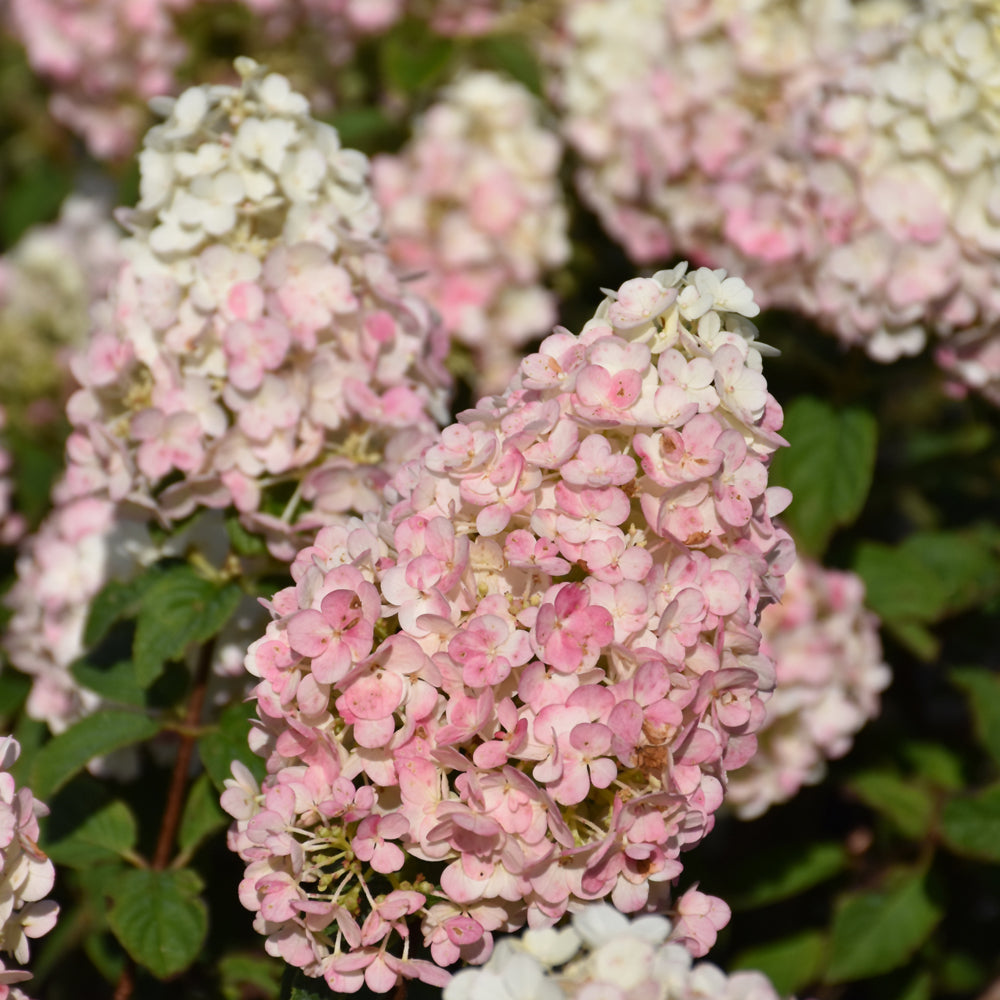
[[473, 206], [667, 103], [602, 954], [255, 351], [49, 281], [829, 674], [801, 145], [259, 350], [521, 686], [917, 128], [103, 60], [872, 210], [26, 874]]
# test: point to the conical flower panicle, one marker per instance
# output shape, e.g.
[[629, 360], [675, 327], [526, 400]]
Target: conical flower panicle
[[521, 686], [255, 354]]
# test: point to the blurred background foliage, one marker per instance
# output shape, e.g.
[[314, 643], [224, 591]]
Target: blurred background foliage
[[881, 882]]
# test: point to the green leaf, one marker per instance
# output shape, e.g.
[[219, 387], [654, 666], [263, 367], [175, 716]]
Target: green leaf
[[242, 975], [903, 591], [228, 742], [938, 765], [34, 196], [413, 59], [510, 54], [970, 825], [920, 987], [115, 683], [908, 806], [964, 562], [790, 962], [202, 815], [14, 688], [828, 468], [878, 930], [373, 131], [982, 687], [246, 543], [93, 736], [179, 608], [115, 600], [787, 871], [158, 918], [103, 836]]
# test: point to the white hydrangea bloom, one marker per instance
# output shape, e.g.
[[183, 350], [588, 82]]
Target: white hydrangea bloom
[[614, 959]]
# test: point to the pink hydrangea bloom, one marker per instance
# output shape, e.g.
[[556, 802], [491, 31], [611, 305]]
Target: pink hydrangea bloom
[[830, 674], [26, 874], [103, 60], [473, 208], [666, 104], [256, 335], [801, 146], [601, 953], [255, 351], [534, 679]]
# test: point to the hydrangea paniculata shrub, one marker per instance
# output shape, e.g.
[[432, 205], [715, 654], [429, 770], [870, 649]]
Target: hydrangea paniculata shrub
[[601, 953], [829, 675], [256, 352], [473, 208], [26, 874], [521, 686]]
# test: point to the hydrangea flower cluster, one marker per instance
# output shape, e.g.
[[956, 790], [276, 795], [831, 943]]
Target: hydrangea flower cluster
[[256, 350], [601, 953], [917, 130], [830, 673], [855, 216], [473, 206], [521, 686], [667, 102], [48, 283], [26, 874], [260, 350], [104, 61], [767, 144]]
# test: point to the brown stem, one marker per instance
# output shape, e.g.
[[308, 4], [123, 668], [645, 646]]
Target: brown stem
[[126, 981], [175, 795], [178, 780]]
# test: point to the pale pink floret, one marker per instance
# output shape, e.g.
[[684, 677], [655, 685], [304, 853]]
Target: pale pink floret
[[551, 688]]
